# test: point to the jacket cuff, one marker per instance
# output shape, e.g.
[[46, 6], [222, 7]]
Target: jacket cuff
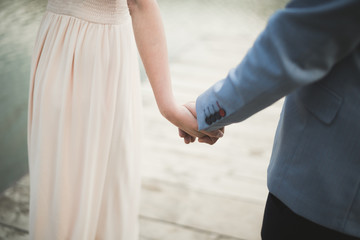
[[209, 110]]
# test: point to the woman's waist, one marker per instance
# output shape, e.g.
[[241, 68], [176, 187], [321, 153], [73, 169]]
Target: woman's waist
[[103, 12]]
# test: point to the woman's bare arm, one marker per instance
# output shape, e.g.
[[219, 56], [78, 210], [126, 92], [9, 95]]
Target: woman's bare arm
[[151, 43]]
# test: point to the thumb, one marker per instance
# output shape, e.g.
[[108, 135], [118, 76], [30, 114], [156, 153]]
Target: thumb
[[215, 133]]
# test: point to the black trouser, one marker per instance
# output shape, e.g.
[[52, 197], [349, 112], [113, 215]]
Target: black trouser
[[280, 223]]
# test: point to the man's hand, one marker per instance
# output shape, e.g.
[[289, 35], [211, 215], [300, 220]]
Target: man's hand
[[207, 137]]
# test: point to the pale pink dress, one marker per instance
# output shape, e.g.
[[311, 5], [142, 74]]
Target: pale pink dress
[[84, 123]]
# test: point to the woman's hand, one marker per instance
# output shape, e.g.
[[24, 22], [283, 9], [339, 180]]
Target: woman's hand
[[184, 117], [185, 120], [208, 137]]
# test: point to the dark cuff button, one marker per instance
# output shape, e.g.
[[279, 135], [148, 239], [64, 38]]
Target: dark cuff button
[[208, 120], [213, 118]]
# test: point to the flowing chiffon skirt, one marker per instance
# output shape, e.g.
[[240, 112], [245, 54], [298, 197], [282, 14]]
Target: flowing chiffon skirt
[[84, 130]]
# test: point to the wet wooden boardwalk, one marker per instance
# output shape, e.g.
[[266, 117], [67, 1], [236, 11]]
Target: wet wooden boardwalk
[[197, 191]]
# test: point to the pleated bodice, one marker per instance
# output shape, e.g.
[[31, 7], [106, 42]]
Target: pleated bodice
[[98, 11]]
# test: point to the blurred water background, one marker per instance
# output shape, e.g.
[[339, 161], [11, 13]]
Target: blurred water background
[[19, 20], [187, 22]]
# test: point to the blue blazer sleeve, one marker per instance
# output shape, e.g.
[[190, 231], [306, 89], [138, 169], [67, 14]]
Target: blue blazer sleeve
[[300, 45]]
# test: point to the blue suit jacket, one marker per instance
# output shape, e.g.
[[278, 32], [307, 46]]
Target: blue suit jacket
[[309, 52]]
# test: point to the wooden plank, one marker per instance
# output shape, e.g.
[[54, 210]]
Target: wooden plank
[[174, 203], [160, 230]]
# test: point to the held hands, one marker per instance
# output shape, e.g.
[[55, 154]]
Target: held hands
[[188, 127], [184, 117]]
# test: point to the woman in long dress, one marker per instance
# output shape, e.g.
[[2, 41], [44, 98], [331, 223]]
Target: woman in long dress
[[84, 116]]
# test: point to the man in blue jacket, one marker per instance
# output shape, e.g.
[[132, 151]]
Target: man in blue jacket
[[309, 52]]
